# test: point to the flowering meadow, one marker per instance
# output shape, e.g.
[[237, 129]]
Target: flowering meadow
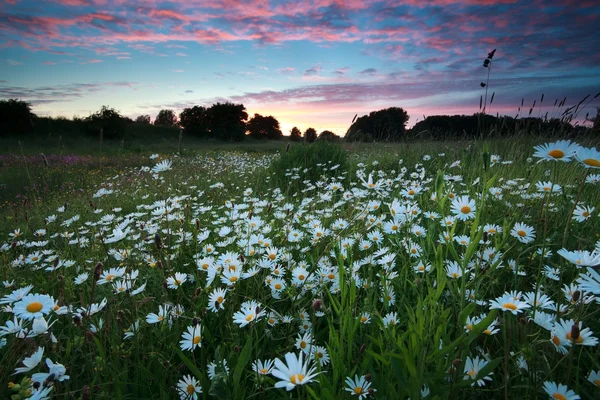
[[466, 274]]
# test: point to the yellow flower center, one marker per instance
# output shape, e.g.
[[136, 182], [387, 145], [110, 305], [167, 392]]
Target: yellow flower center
[[301, 277], [363, 319], [278, 286], [558, 396], [510, 306], [220, 299], [249, 317], [160, 317], [521, 233], [233, 279], [272, 256], [109, 277], [263, 371], [469, 326], [577, 341], [34, 307], [296, 379], [358, 390], [421, 268], [487, 332], [586, 214], [597, 382], [190, 389], [303, 344], [465, 209], [34, 259], [177, 282], [556, 153], [455, 274], [556, 340], [411, 192], [472, 373], [592, 162], [394, 227], [196, 339]]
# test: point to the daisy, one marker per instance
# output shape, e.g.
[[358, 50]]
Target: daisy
[[162, 166], [163, 312], [508, 302], [263, 367], [581, 258], [594, 378], [472, 368], [365, 318], [523, 233], [562, 150], [213, 369], [216, 300], [33, 306], [188, 388], [463, 208], [56, 370], [293, 372], [304, 342], [111, 274], [581, 213], [176, 281], [453, 269], [548, 187], [590, 282], [590, 158], [31, 362], [247, 314], [559, 391], [320, 355], [192, 338], [359, 386]]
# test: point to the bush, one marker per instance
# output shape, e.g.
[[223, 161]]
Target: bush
[[308, 162]]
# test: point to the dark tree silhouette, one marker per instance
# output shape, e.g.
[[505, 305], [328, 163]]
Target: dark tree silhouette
[[144, 119], [310, 135], [383, 125], [328, 136], [295, 135], [109, 120], [15, 117], [194, 121], [260, 127], [166, 118], [227, 121]]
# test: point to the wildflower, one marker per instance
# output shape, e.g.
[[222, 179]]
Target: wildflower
[[562, 150], [163, 312], [188, 388], [263, 367], [320, 355], [581, 213], [162, 166], [365, 318], [304, 342], [358, 386], [507, 302], [31, 362], [559, 391], [33, 306], [56, 370], [213, 369], [175, 282], [590, 158], [463, 208], [192, 338], [293, 372], [216, 300], [590, 282], [248, 313], [581, 258], [390, 319], [594, 378], [453, 269], [548, 187], [472, 368], [523, 233]]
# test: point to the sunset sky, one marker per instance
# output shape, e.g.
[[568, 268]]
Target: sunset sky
[[307, 63]]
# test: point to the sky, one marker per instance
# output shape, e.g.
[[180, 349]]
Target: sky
[[311, 63]]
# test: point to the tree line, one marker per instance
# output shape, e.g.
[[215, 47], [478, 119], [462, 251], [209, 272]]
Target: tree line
[[231, 122]]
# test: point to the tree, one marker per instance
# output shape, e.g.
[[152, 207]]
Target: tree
[[261, 127], [328, 136], [384, 125], [109, 120], [166, 118], [310, 135], [295, 134], [227, 121], [15, 117], [143, 119], [195, 121]]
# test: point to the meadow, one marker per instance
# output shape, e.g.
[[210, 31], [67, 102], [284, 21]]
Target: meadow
[[431, 270]]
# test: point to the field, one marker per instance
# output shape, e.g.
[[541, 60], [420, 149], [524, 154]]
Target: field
[[432, 270]]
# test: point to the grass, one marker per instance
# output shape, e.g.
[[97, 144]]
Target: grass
[[385, 294]]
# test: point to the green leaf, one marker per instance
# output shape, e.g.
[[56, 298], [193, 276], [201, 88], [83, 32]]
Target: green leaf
[[189, 363], [241, 364]]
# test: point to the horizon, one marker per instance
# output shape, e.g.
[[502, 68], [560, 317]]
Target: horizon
[[308, 65]]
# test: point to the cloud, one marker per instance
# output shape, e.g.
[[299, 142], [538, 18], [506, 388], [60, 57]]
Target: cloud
[[341, 71], [286, 70], [176, 70], [58, 93], [313, 71], [13, 62], [368, 71], [189, 91]]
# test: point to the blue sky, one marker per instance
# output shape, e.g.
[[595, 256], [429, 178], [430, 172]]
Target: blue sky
[[314, 63]]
